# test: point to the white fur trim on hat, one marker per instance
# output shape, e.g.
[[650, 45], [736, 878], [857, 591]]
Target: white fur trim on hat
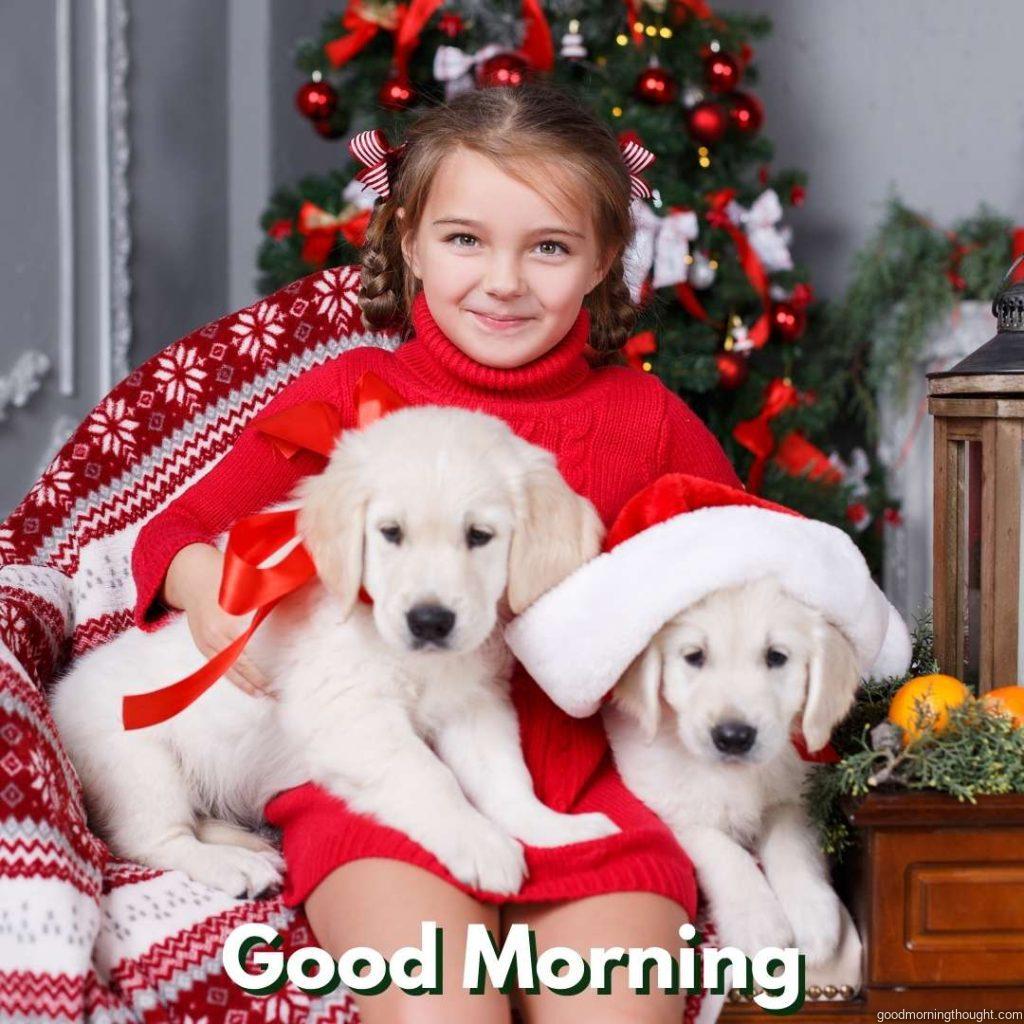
[[577, 639]]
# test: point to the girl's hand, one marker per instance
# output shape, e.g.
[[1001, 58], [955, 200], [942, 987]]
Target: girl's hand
[[192, 584]]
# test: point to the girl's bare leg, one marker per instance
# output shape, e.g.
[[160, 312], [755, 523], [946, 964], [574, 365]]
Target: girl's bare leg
[[612, 919], [382, 903]]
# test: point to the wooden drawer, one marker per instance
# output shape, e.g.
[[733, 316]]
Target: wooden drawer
[[943, 895]]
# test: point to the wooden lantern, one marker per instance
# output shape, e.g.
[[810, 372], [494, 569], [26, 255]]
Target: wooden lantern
[[978, 408]]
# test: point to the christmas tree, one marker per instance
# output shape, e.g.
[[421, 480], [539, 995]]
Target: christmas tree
[[727, 318]]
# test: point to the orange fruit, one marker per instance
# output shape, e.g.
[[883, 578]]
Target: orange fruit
[[1009, 699], [937, 693]]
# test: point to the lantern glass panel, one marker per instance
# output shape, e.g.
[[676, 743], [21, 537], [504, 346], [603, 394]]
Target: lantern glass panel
[[969, 558]]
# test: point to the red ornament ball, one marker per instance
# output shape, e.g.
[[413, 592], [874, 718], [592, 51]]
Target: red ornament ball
[[788, 321], [656, 85], [732, 370], [316, 100], [746, 113], [396, 94], [502, 69], [722, 72], [797, 195], [707, 122]]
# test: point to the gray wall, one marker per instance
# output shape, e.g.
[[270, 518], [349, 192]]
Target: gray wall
[[866, 95], [922, 95]]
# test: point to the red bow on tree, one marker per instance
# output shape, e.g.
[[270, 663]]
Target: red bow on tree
[[362, 29], [245, 586]]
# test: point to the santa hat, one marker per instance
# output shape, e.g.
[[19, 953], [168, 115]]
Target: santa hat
[[678, 540]]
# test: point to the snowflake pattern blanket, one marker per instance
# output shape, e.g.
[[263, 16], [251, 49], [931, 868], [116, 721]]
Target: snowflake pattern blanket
[[83, 935]]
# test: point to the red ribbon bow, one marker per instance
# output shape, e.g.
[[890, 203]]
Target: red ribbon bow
[[636, 157], [246, 586], [361, 30], [320, 230], [536, 47], [756, 434], [381, 159]]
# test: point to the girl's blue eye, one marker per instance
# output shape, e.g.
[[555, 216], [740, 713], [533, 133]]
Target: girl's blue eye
[[546, 242]]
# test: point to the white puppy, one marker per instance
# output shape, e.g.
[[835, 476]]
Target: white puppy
[[700, 727], [452, 523]]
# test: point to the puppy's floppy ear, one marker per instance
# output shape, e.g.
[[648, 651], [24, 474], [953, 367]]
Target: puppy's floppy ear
[[332, 521], [832, 680], [555, 532], [638, 692]]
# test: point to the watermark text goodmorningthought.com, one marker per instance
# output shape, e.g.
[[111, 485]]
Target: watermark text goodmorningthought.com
[[516, 962], [947, 1016]]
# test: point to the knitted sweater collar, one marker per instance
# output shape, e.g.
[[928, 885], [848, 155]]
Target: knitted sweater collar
[[448, 371]]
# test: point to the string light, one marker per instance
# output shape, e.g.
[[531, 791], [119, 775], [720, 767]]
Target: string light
[[665, 32], [713, 264], [688, 259], [616, 111], [714, 46], [647, 367], [705, 162], [651, 30], [622, 39], [638, 26]]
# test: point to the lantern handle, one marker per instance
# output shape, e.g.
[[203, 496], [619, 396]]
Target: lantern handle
[[1016, 263]]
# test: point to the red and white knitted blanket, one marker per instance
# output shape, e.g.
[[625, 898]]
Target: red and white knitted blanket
[[83, 935]]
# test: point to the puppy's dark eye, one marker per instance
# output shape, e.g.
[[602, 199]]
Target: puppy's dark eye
[[476, 538], [392, 534], [694, 658], [774, 658]]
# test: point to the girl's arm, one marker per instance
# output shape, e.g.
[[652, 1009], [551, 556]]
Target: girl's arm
[[685, 445], [250, 476]]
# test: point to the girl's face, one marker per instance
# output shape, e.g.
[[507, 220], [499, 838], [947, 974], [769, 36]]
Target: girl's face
[[504, 272]]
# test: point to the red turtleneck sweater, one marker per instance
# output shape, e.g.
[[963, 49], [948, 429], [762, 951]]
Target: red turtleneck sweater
[[612, 429]]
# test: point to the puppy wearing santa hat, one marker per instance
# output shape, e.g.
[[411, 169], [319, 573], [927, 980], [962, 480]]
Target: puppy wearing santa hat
[[734, 635]]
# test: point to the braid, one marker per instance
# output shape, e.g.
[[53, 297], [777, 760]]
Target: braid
[[613, 315], [383, 283]]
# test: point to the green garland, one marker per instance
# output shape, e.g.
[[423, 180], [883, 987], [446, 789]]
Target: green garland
[[979, 752], [906, 279]]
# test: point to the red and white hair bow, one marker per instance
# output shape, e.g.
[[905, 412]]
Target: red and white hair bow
[[373, 149], [636, 157]]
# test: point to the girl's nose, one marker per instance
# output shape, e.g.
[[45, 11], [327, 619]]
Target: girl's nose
[[503, 277]]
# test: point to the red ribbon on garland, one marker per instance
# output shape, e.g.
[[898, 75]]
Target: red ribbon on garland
[[537, 48], [717, 216], [1018, 250], [756, 434], [245, 584], [361, 30], [639, 346]]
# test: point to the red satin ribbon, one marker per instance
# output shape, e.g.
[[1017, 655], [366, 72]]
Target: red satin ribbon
[[756, 434], [312, 426], [799, 457], [361, 30], [320, 230], [717, 216], [537, 47], [639, 346], [1018, 250]]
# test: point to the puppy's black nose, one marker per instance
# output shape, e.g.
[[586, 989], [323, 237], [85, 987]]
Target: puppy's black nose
[[430, 621], [733, 737]]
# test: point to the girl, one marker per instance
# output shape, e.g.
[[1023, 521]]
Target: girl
[[500, 245]]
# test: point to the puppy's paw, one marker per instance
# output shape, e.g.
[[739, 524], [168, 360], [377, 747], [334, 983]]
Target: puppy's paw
[[554, 829], [752, 926], [489, 859], [240, 872], [816, 917]]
